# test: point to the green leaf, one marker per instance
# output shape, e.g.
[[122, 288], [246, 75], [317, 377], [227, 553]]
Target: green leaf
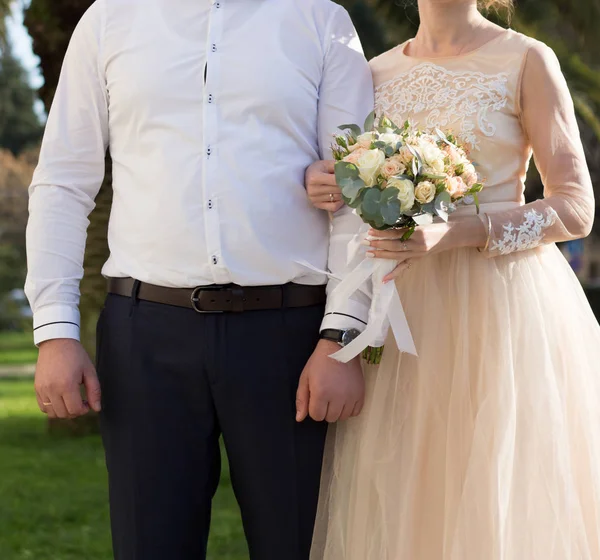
[[347, 177], [353, 128], [371, 203], [370, 122]]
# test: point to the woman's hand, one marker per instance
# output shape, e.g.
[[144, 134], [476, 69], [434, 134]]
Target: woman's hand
[[321, 187], [426, 240]]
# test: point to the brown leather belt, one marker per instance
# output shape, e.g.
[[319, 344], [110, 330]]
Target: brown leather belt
[[222, 299]]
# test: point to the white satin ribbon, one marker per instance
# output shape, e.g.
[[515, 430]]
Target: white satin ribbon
[[386, 309]]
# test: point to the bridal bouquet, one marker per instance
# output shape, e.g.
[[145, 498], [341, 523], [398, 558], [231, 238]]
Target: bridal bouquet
[[402, 177], [396, 178]]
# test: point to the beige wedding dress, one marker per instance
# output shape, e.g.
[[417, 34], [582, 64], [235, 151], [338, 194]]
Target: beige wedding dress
[[486, 446]]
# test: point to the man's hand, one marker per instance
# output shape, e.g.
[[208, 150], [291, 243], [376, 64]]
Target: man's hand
[[322, 188], [328, 389], [63, 366]]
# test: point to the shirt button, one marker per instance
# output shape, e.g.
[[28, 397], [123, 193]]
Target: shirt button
[[210, 204], [210, 98], [215, 260], [214, 48], [208, 151]]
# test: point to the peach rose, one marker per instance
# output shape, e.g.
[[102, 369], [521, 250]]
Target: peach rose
[[456, 187], [393, 166], [469, 175], [355, 155]]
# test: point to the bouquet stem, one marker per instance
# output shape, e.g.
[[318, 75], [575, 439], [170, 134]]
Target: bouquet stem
[[373, 355]]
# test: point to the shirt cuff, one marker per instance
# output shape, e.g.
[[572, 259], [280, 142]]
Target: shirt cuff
[[354, 315], [55, 321]]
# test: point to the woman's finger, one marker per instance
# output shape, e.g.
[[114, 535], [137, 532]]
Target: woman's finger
[[394, 245], [399, 256], [388, 233]]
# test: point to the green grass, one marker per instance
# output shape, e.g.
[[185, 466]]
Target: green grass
[[17, 348], [53, 491]]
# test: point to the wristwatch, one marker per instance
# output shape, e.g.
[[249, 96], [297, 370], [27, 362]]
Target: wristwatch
[[342, 337]]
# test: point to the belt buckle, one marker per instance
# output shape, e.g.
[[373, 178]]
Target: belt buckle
[[196, 300]]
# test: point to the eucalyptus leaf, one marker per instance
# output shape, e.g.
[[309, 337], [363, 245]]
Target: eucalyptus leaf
[[371, 202], [370, 122], [353, 128]]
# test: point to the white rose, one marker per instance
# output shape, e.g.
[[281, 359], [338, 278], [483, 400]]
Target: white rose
[[425, 192], [433, 157], [365, 140], [369, 166], [406, 194], [390, 138]]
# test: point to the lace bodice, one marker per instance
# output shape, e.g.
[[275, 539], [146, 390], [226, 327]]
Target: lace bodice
[[508, 100]]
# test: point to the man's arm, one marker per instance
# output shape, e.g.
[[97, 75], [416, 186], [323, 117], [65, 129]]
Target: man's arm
[[330, 390], [346, 97], [65, 184]]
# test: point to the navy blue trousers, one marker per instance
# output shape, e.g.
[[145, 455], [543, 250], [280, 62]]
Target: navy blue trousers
[[175, 381]]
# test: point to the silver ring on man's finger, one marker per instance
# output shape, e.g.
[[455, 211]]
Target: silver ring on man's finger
[[330, 197]]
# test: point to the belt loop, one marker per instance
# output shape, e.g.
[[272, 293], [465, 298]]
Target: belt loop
[[135, 290], [284, 293]]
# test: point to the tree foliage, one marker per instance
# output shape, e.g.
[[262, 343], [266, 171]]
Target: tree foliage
[[20, 127]]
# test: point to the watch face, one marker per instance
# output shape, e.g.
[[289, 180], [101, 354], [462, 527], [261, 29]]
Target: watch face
[[349, 335]]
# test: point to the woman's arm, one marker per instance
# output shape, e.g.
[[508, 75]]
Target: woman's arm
[[548, 118]]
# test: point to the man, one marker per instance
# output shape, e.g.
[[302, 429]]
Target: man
[[211, 110]]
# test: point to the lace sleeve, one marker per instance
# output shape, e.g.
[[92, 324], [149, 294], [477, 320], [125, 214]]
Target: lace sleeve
[[548, 119]]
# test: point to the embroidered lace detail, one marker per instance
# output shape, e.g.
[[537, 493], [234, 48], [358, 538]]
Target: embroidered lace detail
[[528, 235], [461, 101]]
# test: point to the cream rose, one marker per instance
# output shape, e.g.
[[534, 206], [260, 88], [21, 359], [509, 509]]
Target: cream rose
[[369, 166], [393, 166], [406, 192], [365, 140], [425, 192], [456, 187], [355, 155]]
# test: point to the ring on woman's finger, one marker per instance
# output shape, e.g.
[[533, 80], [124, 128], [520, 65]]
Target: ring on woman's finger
[[47, 403], [331, 197], [404, 246]]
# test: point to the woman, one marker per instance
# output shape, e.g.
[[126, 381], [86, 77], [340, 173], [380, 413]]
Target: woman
[[486, 446]]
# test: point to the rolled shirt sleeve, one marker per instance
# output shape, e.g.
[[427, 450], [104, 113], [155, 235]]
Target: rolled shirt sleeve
[[66, 181]]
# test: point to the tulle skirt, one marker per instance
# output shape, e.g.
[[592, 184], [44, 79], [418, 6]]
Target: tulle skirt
[[486, 446]]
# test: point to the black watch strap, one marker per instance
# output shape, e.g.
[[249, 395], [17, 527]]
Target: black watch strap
[[335, 335]]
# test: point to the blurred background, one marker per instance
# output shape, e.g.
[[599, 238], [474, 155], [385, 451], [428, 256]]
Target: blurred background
[[53, 495]]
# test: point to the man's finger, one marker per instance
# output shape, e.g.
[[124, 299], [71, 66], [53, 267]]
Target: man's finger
[[92, 389], [358, 407], [74, 403], [317, 408], [58, 406], [346, 413], [334, 411], [302, 399]]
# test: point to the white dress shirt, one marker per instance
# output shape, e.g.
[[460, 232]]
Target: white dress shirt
[[212, 110]]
